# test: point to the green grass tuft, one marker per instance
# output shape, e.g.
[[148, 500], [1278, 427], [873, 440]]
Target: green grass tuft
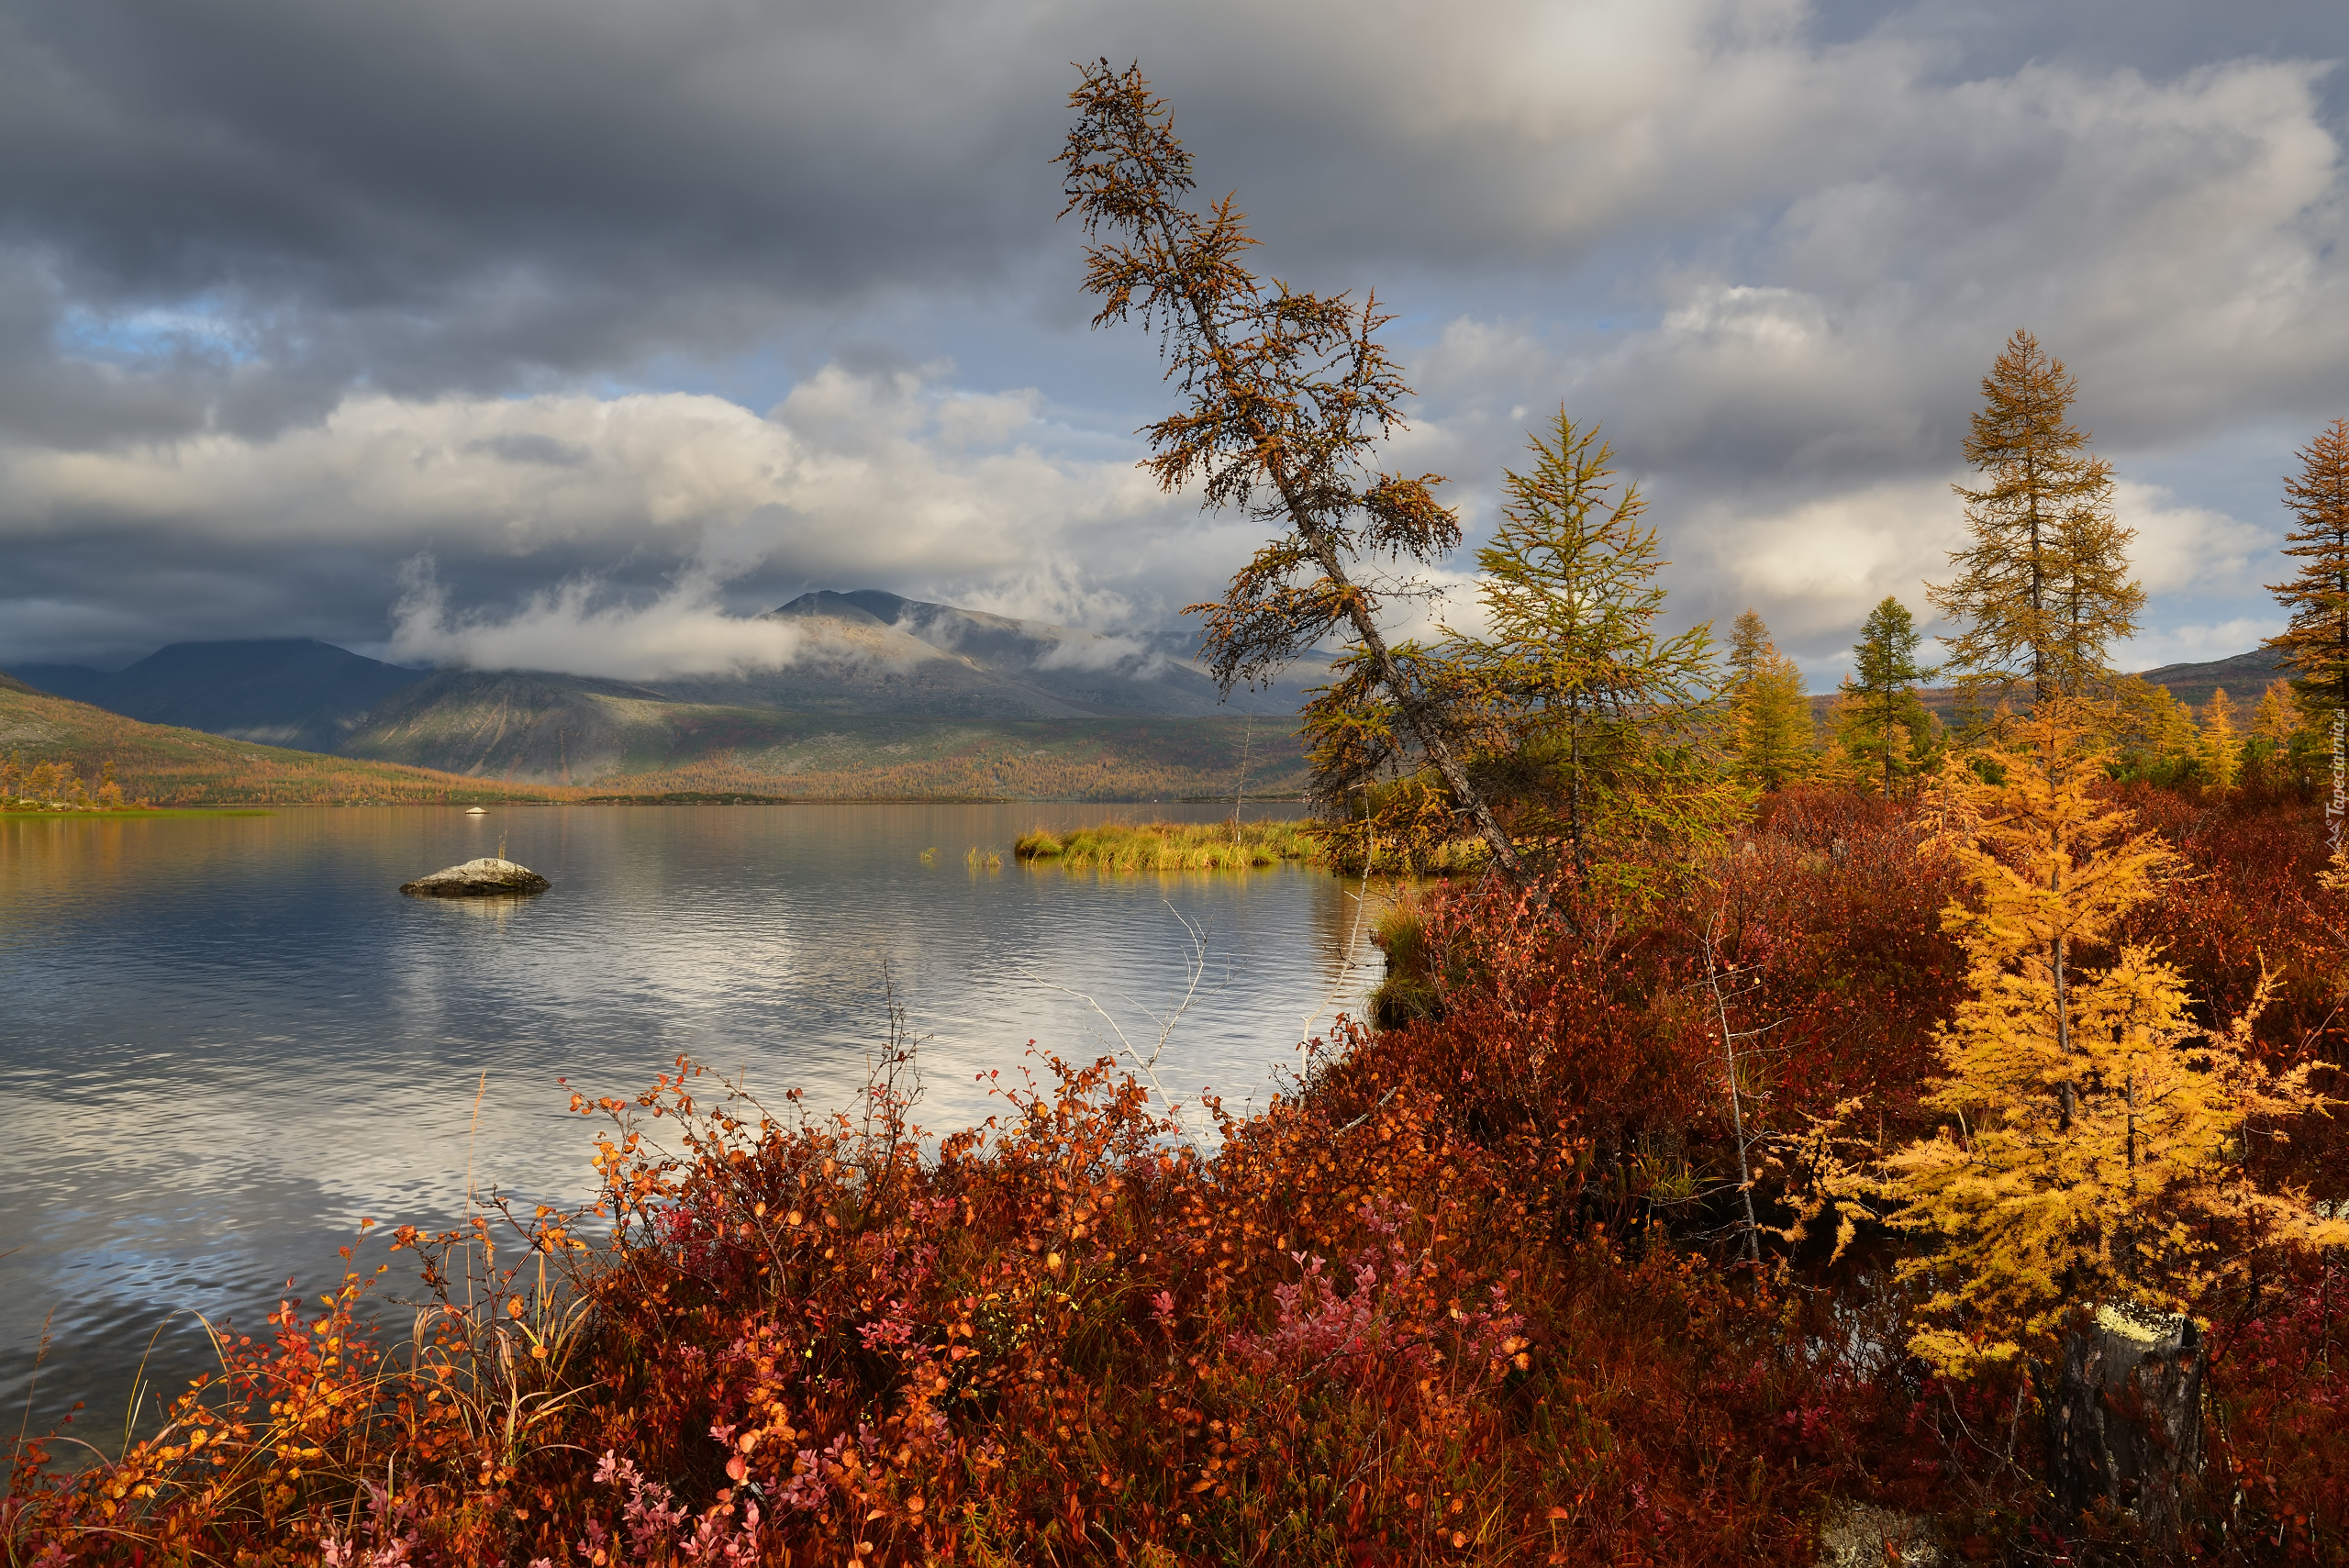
[[1173, 846], [1410, 990]]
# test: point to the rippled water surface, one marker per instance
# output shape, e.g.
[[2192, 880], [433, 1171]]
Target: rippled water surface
[[224, 1040]]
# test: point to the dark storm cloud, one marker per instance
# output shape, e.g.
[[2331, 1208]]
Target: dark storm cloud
[[293, 293], [442, 196]]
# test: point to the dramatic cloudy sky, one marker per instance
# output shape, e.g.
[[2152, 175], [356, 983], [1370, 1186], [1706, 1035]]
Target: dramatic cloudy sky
[[576, 329]]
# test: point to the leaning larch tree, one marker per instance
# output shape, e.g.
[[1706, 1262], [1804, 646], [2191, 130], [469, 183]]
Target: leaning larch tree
[[1286, 397]]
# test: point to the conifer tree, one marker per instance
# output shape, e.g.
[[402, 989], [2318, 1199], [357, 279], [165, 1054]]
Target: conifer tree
[[1886, 721], [1769, 714], [2278, 715], [2277, 739], [1597, 721], [2090, 1157], [1287, 397], [1749, 646], [2156, 732], [2221, 751], [2174, 735], [2316, 641], [2044, 585], [1845, 761]]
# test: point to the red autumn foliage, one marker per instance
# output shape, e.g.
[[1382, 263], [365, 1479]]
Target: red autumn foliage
[[1467, 1295]]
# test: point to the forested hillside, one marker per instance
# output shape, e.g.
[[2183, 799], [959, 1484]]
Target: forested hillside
[[652, 748], [189, 767]]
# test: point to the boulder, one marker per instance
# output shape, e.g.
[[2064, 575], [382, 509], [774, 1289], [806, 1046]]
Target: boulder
[[485, 878]]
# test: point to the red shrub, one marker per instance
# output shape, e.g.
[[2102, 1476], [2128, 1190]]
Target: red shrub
[[1450, 1301]]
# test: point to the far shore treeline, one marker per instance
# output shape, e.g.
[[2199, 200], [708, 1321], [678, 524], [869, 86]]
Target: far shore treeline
[[1909, 1132]]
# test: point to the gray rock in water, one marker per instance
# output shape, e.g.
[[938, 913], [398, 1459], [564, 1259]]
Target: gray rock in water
[[483, 878]]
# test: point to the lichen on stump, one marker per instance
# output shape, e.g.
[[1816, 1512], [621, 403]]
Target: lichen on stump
[[488, 877], [2126, 1423]]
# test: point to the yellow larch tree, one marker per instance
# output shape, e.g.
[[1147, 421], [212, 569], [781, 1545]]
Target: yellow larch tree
[[2220, 752], [2092, 1151], [2277, 715], [2155, 726], [1770, 713]]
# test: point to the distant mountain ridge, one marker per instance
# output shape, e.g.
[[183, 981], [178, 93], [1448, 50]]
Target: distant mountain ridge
[[869, 670], [2243, 675], [878, 681], [671, 749], [293, 692]]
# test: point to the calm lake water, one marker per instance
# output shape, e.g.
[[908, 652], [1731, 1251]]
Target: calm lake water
[[224, 1040]]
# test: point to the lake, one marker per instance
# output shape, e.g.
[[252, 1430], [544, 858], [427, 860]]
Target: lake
[[226, 1040]]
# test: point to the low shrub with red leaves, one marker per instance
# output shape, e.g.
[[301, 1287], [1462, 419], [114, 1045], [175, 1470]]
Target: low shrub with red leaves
[[1470, 1294]]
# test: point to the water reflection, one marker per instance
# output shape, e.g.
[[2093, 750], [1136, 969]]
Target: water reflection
[[496, 910], [225, 1040]]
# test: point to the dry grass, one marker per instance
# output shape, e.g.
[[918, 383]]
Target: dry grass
[[1173, 845]]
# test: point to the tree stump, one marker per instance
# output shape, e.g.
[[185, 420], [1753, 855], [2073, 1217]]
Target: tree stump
[[2125, 1427]]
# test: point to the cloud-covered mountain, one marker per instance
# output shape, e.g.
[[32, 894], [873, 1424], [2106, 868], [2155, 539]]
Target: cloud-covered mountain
[[866, 655], [876, 652]]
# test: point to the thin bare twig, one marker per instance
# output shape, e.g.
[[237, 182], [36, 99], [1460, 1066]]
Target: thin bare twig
[[1194, 967], [1736, 1105]]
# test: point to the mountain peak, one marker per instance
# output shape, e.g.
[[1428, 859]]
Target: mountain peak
[[827, 604], [888, 607]]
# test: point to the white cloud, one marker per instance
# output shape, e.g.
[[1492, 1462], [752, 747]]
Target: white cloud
[[2197, 643], [850, 481], [571, 628], [1815, 568], [1052, 591], [2182, 549], [853, 469]]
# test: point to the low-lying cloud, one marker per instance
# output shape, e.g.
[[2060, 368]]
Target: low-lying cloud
[[574, 629], [569, 530]]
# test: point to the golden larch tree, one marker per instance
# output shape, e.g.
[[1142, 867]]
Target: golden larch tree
[[2277, 715], [2092, 1151], [2220, 752], [2044, 585], [2315, 642], [1769, 712], [2157, 728]]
